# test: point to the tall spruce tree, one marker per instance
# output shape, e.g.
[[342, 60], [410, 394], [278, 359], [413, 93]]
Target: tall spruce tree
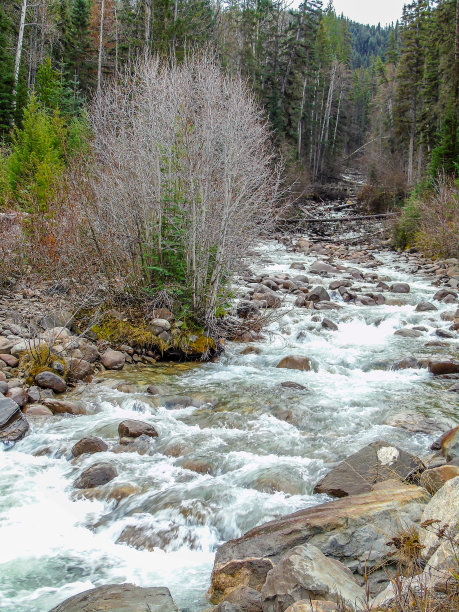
[[6, 75]]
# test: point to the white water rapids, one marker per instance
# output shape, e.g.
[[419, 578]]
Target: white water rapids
[[250, 452]]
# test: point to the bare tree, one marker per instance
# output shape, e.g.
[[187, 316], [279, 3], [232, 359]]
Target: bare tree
[[186, 174]]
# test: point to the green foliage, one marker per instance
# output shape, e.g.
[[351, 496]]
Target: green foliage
[[408, 224], [6, 76]]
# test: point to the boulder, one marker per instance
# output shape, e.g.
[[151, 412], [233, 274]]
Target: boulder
[[443, 508], [376, 462], [318, 294], [248, 572], [450, 444], [120, 598], [320, 267], [89, 445], [408, 333], [37, 410], [440, 368], [295, 362], [64, 406], [80, 369], [10, 361], [95, 476], [49, 380], [297, 265], [88, 351], [113, 360], [246, 310], [18, 395], [6, 344], [313, 605], [13, 424], [26, 345], [425, 307], [400, 288], [434, 479], [131, 428], [306, 573], [352, 530], [33, 394], [443, 293], [246, 599]]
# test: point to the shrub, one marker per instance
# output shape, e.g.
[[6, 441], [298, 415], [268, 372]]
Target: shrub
[[184, 179], [430, 221]]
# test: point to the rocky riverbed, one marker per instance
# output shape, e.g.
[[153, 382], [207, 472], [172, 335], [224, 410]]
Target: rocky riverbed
[[225, 475]]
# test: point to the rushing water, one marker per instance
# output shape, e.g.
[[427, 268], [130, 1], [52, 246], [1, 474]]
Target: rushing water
[[246, 452]]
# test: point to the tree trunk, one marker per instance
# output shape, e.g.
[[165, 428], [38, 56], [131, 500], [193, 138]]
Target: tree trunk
[[101, 46], [17, 62]]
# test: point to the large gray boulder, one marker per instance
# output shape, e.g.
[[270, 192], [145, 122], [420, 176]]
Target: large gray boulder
[[352, 530], [443, 508], [305, 573], [376, 462], [13, 424], [120, 598]]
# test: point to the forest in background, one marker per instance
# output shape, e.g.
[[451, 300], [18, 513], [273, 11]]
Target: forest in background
[[335, 93]]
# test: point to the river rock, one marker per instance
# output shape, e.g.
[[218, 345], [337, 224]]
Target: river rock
[[37, 410], [6, 345], [33, 394], [246, 599], [320, 267], [448, 443], [13, 424], [400, 288], [246, 310], [440, 368], [295, 362], [113, 360], [120, 598], [18, 395], [418, 422], [306, 573], [131, 428], [288, 384], [352, 530], [89, 445], [434, 479], [80, 369], [454, 388], [297, 265], [444, 508], [246, 572], [96, 475], [318, 294], [425, 307], [408, 333], [313, 605], [10, 361], [376, 462], [443, 294], [64, 406], [26, 345], [49, 380], [3, 387]]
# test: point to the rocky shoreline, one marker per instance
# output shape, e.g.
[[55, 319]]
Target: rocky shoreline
[[335, 552]]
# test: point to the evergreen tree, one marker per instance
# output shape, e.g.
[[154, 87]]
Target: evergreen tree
[[6, 75]]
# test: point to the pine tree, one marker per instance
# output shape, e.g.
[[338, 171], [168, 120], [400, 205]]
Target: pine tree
[[6, 76]]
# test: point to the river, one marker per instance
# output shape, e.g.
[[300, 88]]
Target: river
[[247, 451]]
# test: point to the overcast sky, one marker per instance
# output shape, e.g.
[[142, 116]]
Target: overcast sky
[[370, 11]]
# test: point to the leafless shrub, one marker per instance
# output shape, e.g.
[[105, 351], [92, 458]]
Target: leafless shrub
[[185, 177]]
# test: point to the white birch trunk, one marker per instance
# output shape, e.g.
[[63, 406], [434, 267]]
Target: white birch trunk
[[17, 62]]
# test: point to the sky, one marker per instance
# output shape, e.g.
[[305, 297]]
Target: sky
[[370, 11]]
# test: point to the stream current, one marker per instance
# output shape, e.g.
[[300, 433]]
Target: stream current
[[247, 451]]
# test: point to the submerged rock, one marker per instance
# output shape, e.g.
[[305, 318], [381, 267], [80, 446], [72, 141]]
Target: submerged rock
[[65, 407], [376, 462], [89, 445], [120, 598], [96, 475], [295, 362]]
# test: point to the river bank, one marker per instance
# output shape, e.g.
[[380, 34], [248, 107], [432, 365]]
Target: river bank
[[240, 441]]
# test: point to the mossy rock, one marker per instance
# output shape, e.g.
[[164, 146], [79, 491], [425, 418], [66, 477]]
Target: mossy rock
[[42, 359]]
